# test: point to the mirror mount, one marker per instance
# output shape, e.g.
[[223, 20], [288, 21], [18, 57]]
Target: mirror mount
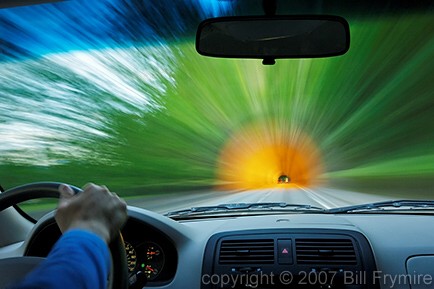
[[268, 61], [269, 7]]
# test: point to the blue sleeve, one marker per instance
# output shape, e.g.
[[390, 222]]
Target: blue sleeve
[[79, 260]]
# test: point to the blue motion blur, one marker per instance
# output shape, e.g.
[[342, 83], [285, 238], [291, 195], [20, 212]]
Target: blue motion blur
[[79, 260], [34, 31]]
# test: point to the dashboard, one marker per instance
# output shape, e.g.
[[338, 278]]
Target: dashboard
[[310, 250]]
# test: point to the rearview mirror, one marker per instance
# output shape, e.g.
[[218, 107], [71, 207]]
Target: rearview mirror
[[273, 37]]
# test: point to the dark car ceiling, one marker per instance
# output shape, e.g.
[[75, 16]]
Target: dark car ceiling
[[14, 3], [360, 7], [349, 7]]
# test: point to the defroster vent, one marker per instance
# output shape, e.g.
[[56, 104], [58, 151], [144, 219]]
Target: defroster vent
[[247, 252]]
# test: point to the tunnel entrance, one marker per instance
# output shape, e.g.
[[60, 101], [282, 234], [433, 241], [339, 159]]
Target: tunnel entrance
[[283, 179], [259, 156]]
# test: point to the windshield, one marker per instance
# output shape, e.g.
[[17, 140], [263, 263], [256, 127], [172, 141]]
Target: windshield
[[113, 92]]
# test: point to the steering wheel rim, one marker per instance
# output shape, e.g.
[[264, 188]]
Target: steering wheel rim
[[37, 190]]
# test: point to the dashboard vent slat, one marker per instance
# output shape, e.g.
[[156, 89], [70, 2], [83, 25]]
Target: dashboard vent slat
[[325, 251], [247, 252]]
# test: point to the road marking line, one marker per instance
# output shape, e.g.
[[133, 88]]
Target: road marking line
[[319, 199]]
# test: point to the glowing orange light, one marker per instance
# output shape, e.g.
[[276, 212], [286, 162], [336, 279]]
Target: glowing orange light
[[258, 156]]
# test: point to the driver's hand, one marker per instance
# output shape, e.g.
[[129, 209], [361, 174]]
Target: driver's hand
[[96, 209]]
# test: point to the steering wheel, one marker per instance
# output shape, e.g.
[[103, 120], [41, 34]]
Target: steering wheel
[[12, 269]]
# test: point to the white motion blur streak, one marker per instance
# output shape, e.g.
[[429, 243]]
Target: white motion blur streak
[[44, 119]]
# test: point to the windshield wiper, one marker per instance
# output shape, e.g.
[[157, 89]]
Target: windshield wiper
[[387, 206], [398, 205], [243, 207]]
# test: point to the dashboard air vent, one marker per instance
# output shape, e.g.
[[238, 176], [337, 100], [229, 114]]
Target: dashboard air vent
[[325, 251], [247, 252]]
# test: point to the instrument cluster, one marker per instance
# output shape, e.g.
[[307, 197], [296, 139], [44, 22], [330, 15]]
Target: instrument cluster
[[149, 252], [147, 257]]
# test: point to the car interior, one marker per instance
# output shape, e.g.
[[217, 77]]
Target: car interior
[[361, 217]]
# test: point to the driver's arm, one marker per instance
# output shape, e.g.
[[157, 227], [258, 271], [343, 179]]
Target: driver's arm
[[80, 259]]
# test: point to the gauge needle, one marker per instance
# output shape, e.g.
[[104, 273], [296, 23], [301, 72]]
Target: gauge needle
[[150, 268]]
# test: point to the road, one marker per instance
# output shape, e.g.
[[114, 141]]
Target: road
[[321, 197], [318, 196]]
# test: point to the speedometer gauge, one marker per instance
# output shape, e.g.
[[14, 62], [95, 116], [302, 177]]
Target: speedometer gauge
[[131, 257]]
